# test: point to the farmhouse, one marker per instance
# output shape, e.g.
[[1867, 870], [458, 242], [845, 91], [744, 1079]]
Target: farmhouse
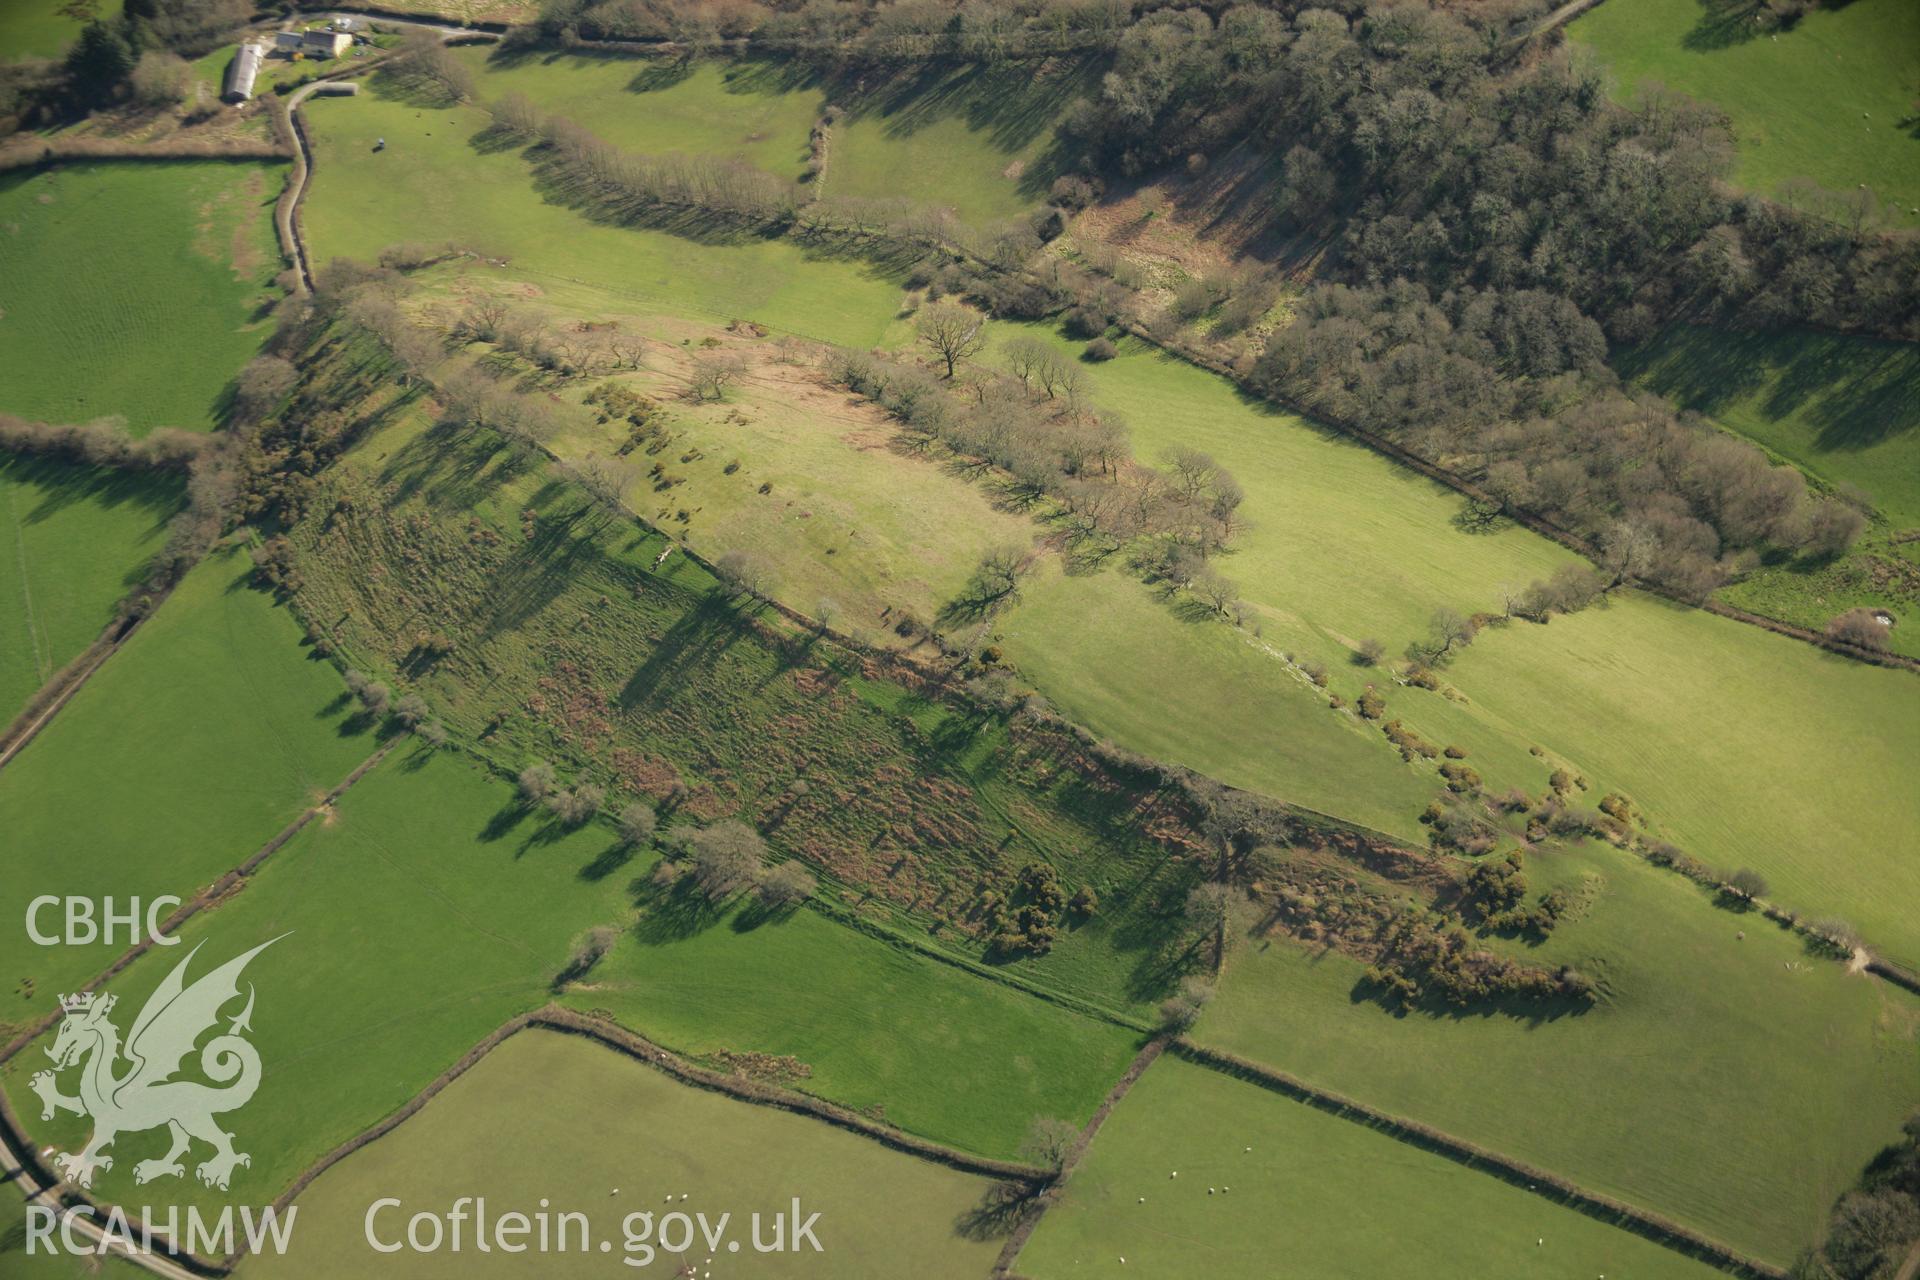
[[241, 72]]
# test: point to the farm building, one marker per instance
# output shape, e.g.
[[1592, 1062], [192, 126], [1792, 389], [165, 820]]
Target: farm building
[[289, 42], [325, 44], [241, 72]]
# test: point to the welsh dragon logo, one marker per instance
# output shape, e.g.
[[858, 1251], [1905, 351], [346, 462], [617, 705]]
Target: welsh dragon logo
[[145, 1095]]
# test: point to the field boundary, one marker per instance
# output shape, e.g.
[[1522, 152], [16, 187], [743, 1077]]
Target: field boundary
[[87, 150], [60, 688], [211, 896], [564, 1021], [1643, 1223], [1030, 1220]]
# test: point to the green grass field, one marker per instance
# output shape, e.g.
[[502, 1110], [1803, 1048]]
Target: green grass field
[[1340, 545], [655, 106], [554, 1118], [410, 935], [1749, 749], [132, 289], [1331, 1197], [433, 182], [1831, 99], [973, 139], [1746, 748], [1112, 656], [939, 1051], [73, 542], [429, 907], [38, 28], [1737, 1085], [204, 736], [1845, 410]]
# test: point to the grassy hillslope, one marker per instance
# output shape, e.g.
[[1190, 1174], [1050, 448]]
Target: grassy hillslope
[[73, 542], [1333, 1197], [656, 106], [132, 289], [975, 139], [197, 742], [1744, 747], [1748, 748], [1828, 100], [435, 180]]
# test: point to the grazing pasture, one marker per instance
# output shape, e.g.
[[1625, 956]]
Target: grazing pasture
[[1198, 693], [1747, 748], [564, 635], [1830, 99], [1701, 1032], [192, 746], [1262, 1176], [977, 140], [659, 106], [133, 289], [438, 180], [554, 1118], [410, 932], [938, 1051], [1744, 747], [37, 29], [73, 542]]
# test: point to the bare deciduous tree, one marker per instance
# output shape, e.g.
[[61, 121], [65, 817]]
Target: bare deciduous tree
[[726, 857], [638, 823], [952, 331], [786, 884], [713, 372]]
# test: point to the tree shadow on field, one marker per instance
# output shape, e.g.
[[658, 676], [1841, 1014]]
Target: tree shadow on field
[[1533, 1011], [1003, 1208], [610, 859], [661, 74], [448, 465], [758, 911], [1724, 24], [1854, 392], [508, 817], [674, 912], [62, 484], [694, 640]]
